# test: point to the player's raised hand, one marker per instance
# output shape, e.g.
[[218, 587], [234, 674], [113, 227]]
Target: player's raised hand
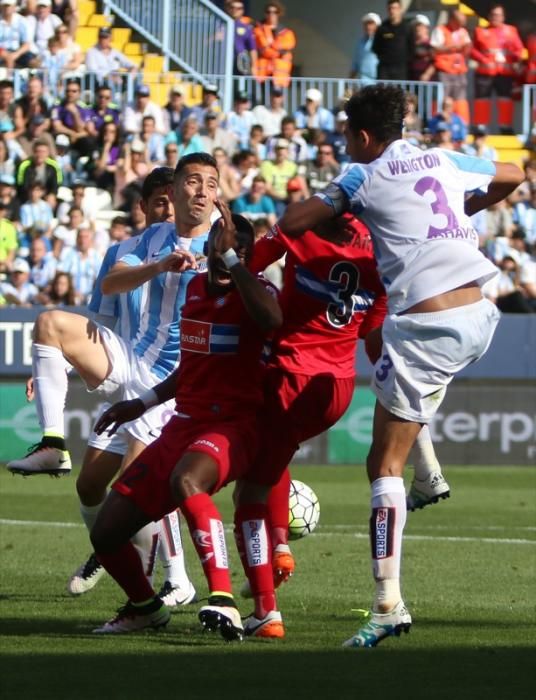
[[226, 237], [177, 261], [119, 413]]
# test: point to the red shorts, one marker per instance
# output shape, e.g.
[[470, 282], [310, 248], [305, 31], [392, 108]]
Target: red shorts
[[296, 408], [232, 444]]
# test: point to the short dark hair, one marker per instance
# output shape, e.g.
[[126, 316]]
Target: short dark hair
[[379, 109], [288, 120], [159, 177], [73, 81], [119, 221], [197, 159], [6, 84]]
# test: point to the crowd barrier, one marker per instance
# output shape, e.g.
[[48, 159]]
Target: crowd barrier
[[488, 416]]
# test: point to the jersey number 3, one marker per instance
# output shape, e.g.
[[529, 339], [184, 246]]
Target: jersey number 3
[[439, 205], [346, 276]]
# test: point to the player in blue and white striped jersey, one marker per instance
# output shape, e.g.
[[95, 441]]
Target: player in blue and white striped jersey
[[102, 358], [416, 206]]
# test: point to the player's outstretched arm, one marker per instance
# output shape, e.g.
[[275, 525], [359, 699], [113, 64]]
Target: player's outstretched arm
[[507, 178], [126, 411], [302, 216], [123, 277]]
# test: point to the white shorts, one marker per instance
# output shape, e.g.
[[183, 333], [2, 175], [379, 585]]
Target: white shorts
[[116, 443], [134, 377], [423, 352]]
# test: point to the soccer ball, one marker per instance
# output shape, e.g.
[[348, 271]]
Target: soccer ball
[[304, 510]]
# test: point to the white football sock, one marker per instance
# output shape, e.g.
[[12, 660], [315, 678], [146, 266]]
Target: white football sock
[[424, 456], [89, 514], [171, 551], [49, 371], [146, 542], [388, 502]]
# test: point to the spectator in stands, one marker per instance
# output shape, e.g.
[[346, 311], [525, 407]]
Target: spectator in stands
[[364, 60], [171, 155], [8, 240], [452, 44], [175, 111], [42, 264], [79, 200], [337, 139], [412, 120], [246, 168], [38, 129], [36, 215], [8, 166], [83, 263], [104, 61], [40, 167], [297, 148], [131, 169], [106, 157], [54, 63], [42, 26], [457, 126], [245, 47], [73, 118], [15, 42], [442, 137], [136, 219], [392, 44], [270, 117], [256, 204], [277, 173], [61, 291], [228, 186], [64, 159], [505, 290], [240, 119], [499, 226], [154, 142], [256, 142], [9, 199], [70, 49], [524, 216], [7, 108], [104, 110], [421, 55], [312, 115], [209, 103], [143, 107], [65, 234], [30, 105], [498, 50], [479, 147], [19, 291], [296, 190], [320, 171], [527, 281], [67, 11], [213, 136], [119, 230], [187, 139], [275, 46]]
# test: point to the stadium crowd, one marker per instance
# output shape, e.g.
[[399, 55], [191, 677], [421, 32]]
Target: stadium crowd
[[71, 170]]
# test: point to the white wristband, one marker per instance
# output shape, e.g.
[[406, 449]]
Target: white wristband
[[230, 258], [149, 399]]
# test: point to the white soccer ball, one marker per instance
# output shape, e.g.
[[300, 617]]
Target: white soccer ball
[[304, 510]]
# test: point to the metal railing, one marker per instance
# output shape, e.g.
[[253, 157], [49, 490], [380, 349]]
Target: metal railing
[[194, 34], [529, 108]]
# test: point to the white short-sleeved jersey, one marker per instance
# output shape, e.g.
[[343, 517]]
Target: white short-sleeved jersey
[[413, 204], [124, 308], [157, 339]]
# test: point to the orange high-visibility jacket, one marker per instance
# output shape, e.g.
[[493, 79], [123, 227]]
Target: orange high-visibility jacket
[[454, 62], [530, 73], [498, 50], [274, 49]]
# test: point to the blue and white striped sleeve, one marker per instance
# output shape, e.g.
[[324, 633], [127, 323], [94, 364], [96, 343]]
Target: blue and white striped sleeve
[[139, 255], [476, 173], [344, 192]]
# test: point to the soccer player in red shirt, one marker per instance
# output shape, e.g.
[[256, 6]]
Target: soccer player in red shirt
[[331, 296], [210, 441]]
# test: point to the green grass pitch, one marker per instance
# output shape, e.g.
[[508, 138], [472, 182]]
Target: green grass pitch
[[469, 580]]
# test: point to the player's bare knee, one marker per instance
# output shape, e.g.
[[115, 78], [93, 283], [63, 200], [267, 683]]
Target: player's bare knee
[[46, 328], [89, 492]]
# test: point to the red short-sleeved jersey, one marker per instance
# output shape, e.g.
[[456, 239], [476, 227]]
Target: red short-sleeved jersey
[[331, 295], [220, 372]]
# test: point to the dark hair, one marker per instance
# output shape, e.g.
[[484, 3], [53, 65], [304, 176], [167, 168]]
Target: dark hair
[[73, 81], [159, 177], [119, 221], [69, 298], [379, 109], [288, 120], [6, 84], [196, 159], [75, 208]]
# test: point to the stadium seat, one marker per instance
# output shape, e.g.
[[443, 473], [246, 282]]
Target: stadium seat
[[132, 48], [501, 142], [153, 63], [97, 20], [121, 37], [86, 37], [86, 8], [517, 156]]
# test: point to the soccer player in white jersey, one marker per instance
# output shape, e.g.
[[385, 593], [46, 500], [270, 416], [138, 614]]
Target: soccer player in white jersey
[[102, 358], [104, 455], [417, 207]]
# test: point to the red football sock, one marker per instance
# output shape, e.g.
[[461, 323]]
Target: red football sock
[[124, 565], [206, 529], [254, 546], [277, 505]]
